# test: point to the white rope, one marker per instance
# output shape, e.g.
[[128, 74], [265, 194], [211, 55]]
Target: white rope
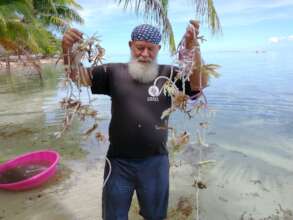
[[109, 172], [197, 188]]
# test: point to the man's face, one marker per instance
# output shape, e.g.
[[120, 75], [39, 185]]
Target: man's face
[[144, 51]]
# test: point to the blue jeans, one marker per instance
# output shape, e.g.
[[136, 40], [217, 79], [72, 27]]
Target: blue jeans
[[149, 177]]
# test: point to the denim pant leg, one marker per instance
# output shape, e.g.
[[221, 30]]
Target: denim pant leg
[[153, 187], [118, 191]]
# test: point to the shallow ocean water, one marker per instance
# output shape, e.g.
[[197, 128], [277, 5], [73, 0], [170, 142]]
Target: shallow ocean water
[[250, 136]]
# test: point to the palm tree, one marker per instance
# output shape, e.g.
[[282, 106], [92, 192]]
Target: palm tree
[[157, 10], [26, 25], [12, 14], [57, 14]]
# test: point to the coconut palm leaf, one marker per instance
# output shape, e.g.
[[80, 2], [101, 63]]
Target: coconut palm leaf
[[16, 8], [206, 10], [57, 13], [154, 10], [210, 70], [24, 23], [157, 10]]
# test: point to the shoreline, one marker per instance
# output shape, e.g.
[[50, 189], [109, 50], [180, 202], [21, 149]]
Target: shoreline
[[17, 65]]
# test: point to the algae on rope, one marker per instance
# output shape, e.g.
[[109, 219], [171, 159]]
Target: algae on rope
[[89, 49]]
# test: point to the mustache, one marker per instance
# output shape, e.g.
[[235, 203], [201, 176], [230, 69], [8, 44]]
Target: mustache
[[142, 59]]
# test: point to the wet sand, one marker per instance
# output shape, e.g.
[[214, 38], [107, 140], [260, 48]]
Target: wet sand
[[66, 197]]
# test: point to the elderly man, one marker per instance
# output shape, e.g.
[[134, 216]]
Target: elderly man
[[137, 150]]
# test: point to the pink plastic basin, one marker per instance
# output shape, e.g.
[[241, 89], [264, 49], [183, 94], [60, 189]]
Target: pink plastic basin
[[51, 158]]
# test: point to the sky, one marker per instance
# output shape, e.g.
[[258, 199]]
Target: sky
[[247, 25]]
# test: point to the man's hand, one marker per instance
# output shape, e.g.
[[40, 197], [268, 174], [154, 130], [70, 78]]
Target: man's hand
[[191, 34], [198, 81], [76, 73], [70, 37]]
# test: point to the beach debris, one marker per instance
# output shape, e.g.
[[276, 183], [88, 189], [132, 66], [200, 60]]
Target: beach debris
[[204, 162], [183, 209], [101, 137], [184, 206], [281, 214], [90, 130], [177, 142], [287, 213], [199, 184]]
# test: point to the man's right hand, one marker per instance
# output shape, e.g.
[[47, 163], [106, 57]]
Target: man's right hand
[[79, 73], [70, 37]]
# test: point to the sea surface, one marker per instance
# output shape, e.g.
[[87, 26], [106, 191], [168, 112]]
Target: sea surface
[[249, 137]]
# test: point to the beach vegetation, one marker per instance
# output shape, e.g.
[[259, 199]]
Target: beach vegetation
[[157, 11], [31, 26]]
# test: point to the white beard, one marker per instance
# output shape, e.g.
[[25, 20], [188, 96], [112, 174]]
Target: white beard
[[143, 72]]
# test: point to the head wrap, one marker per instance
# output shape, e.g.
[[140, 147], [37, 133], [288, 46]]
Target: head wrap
[[146, 32]]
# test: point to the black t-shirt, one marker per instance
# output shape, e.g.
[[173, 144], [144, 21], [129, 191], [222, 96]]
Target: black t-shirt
[[136, 116]]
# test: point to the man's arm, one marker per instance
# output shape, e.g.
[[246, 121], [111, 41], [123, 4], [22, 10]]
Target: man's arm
[[198, 81], [75, 72]]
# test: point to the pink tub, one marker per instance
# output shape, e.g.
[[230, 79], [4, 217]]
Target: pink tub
[[51, 158]]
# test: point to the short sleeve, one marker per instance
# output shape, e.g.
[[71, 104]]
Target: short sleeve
[[101, 80]]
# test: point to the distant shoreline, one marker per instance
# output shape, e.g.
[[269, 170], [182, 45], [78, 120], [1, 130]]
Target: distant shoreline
[[16, 64]]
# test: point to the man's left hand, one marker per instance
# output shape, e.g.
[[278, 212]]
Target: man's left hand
[[191, 34]]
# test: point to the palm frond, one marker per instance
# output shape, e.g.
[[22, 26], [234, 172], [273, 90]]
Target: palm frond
[[44, 5], [69, 14], [154, 10], [71, 3], [206, 10], [2, 25], [60, 15], [210, 70], [24, 24], [16, 8]]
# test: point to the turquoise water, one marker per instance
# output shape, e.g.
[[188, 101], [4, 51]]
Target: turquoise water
[[250, 135]]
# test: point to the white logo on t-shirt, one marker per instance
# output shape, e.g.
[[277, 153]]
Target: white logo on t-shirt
[[154, 91], [153, 99]]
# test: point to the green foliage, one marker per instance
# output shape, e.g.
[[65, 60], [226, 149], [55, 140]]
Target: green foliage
[[206, 10], [157, 10], [57, 14], [210, 70], [154, 10], [28, 24]]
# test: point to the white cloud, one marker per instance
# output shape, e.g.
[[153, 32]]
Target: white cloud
[[276, 40], [230, 6], [235, 13], [290, 38]]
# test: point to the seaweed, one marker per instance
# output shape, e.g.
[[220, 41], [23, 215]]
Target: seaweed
[[88, 49], [191, 66]]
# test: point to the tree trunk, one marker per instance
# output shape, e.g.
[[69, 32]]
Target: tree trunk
[[36, 66], [8, 69]]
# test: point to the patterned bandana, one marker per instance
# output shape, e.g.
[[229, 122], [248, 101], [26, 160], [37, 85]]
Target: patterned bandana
[[146, 32]]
